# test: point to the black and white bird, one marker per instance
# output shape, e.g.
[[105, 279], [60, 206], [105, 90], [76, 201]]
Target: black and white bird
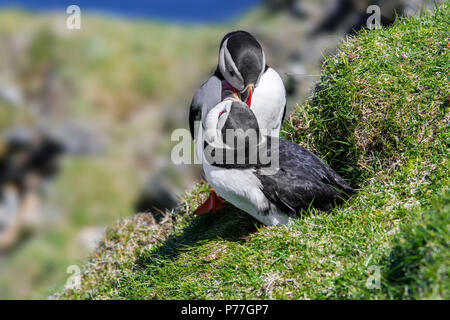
[[243, 72], [301, 180]]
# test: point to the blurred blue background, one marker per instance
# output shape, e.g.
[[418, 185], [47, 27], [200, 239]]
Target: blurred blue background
[[192, 11]]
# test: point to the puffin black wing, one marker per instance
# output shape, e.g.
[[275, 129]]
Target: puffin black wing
[[303, 181], [207, 96], [195, 114], [284, 113]]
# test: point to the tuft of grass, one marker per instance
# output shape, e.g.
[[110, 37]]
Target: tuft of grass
[[379, 117], [380, 100]]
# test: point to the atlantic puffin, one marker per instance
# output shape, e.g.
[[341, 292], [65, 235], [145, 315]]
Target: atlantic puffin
[[242, 70], [273, 196]]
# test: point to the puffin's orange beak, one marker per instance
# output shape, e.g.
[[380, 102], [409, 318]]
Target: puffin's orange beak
[[249, 98], [228, 91]]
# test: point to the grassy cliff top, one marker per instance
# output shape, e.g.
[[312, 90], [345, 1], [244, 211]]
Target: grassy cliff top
[[379, 116]]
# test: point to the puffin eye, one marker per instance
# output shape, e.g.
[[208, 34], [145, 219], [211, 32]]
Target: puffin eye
[[231, 72]]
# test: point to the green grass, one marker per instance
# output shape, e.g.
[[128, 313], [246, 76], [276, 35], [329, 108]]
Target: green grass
[[379, 116]]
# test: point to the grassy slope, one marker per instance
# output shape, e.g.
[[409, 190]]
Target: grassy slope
[[380, 117]]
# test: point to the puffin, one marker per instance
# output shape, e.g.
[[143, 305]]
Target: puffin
[[271, 194], [241, 72]]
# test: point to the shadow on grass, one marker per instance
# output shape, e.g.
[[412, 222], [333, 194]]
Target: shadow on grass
[[230, 224]]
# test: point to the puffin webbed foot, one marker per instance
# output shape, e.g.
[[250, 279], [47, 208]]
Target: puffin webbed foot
[[212, 204]]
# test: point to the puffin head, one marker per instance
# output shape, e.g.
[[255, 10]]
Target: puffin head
[[242, 62], [229, 121]]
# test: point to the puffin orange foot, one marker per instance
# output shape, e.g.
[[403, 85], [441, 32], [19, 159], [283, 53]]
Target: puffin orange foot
[[211, 205]]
